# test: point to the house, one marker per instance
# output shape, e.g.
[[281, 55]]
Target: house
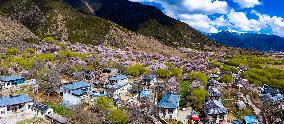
[[213, 93], [149, 79], [215, 111], [241, 104], [10, 81], [118, 85], [55, 118], [144, 93], [119, 79], [168, 106], [213, 83], [118, 89], [111, 71], [41, 109], [10, 105], [269, 91], [76, 92], [250, 120], [214, 76]]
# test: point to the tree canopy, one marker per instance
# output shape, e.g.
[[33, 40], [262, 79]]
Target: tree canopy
[[200, 96], [226, 78]]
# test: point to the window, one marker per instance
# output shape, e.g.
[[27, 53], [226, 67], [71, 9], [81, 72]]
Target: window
[[170, 111]]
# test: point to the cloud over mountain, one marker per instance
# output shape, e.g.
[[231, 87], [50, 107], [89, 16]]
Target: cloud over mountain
[[215, 15]]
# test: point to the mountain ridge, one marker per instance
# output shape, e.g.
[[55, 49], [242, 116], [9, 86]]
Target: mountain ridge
[[262, 42], [148, 21]]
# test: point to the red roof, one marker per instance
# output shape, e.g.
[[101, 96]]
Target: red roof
[[195, 118]]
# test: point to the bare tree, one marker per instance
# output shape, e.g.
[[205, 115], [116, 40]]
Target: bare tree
[[81, 116], [51, 81]]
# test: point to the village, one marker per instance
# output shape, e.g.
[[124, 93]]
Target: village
[[42, 80]]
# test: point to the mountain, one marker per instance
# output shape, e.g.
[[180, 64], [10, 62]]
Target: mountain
[[146, 20], [255, 41], [33, 20]]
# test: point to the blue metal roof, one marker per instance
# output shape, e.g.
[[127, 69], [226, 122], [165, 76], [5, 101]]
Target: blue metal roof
[[12, 100], [169, 100], [76, 85], [78, 92], [10, 78], [149, 77], [145, 93], [250, 119], [118, 77], [96, 94]]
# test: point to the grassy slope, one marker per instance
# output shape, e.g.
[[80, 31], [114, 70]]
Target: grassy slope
[[53, 18]]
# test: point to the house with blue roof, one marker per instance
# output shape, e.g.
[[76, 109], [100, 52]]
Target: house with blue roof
[[149, 79], [168, 106], [10, 105], [10, 81], [119, 79], [76, 92], [215, 111], [250, 119], [41, 109], [118, 85]]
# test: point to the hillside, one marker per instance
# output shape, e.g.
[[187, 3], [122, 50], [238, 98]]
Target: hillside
[[260, 42], [146, 20], [52, 18], [11, 29]]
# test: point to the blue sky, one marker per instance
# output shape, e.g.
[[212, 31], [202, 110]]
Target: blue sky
[[212, 16]]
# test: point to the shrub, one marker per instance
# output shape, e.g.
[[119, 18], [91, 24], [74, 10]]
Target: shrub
[[199, 76], [163, 73], [12, 51], [137, 70], [200, 96], [30, 50], [177, 72], [226, 78], [49, 39]]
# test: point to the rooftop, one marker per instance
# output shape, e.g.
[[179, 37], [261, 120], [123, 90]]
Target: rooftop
[[149, 77], [58, 118], [116, 85], [76, 85], [213, 92], [214, 107], [78, 92], [169, 100], [40, 106], [250, 119], [145, 93], [12, 100], [118, 77], [10, 78]]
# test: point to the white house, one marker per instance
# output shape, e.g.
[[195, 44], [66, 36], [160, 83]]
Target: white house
[[75, 93], [119, 79], [215, 111], [118, 85], [10, 81], [10, 105], [168, 106], [41, 109]]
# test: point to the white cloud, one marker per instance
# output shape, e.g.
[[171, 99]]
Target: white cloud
[[247, 3], [220, 22], [240, 20], [196, 13], [206, 6], [200, 22], [276, 24]]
